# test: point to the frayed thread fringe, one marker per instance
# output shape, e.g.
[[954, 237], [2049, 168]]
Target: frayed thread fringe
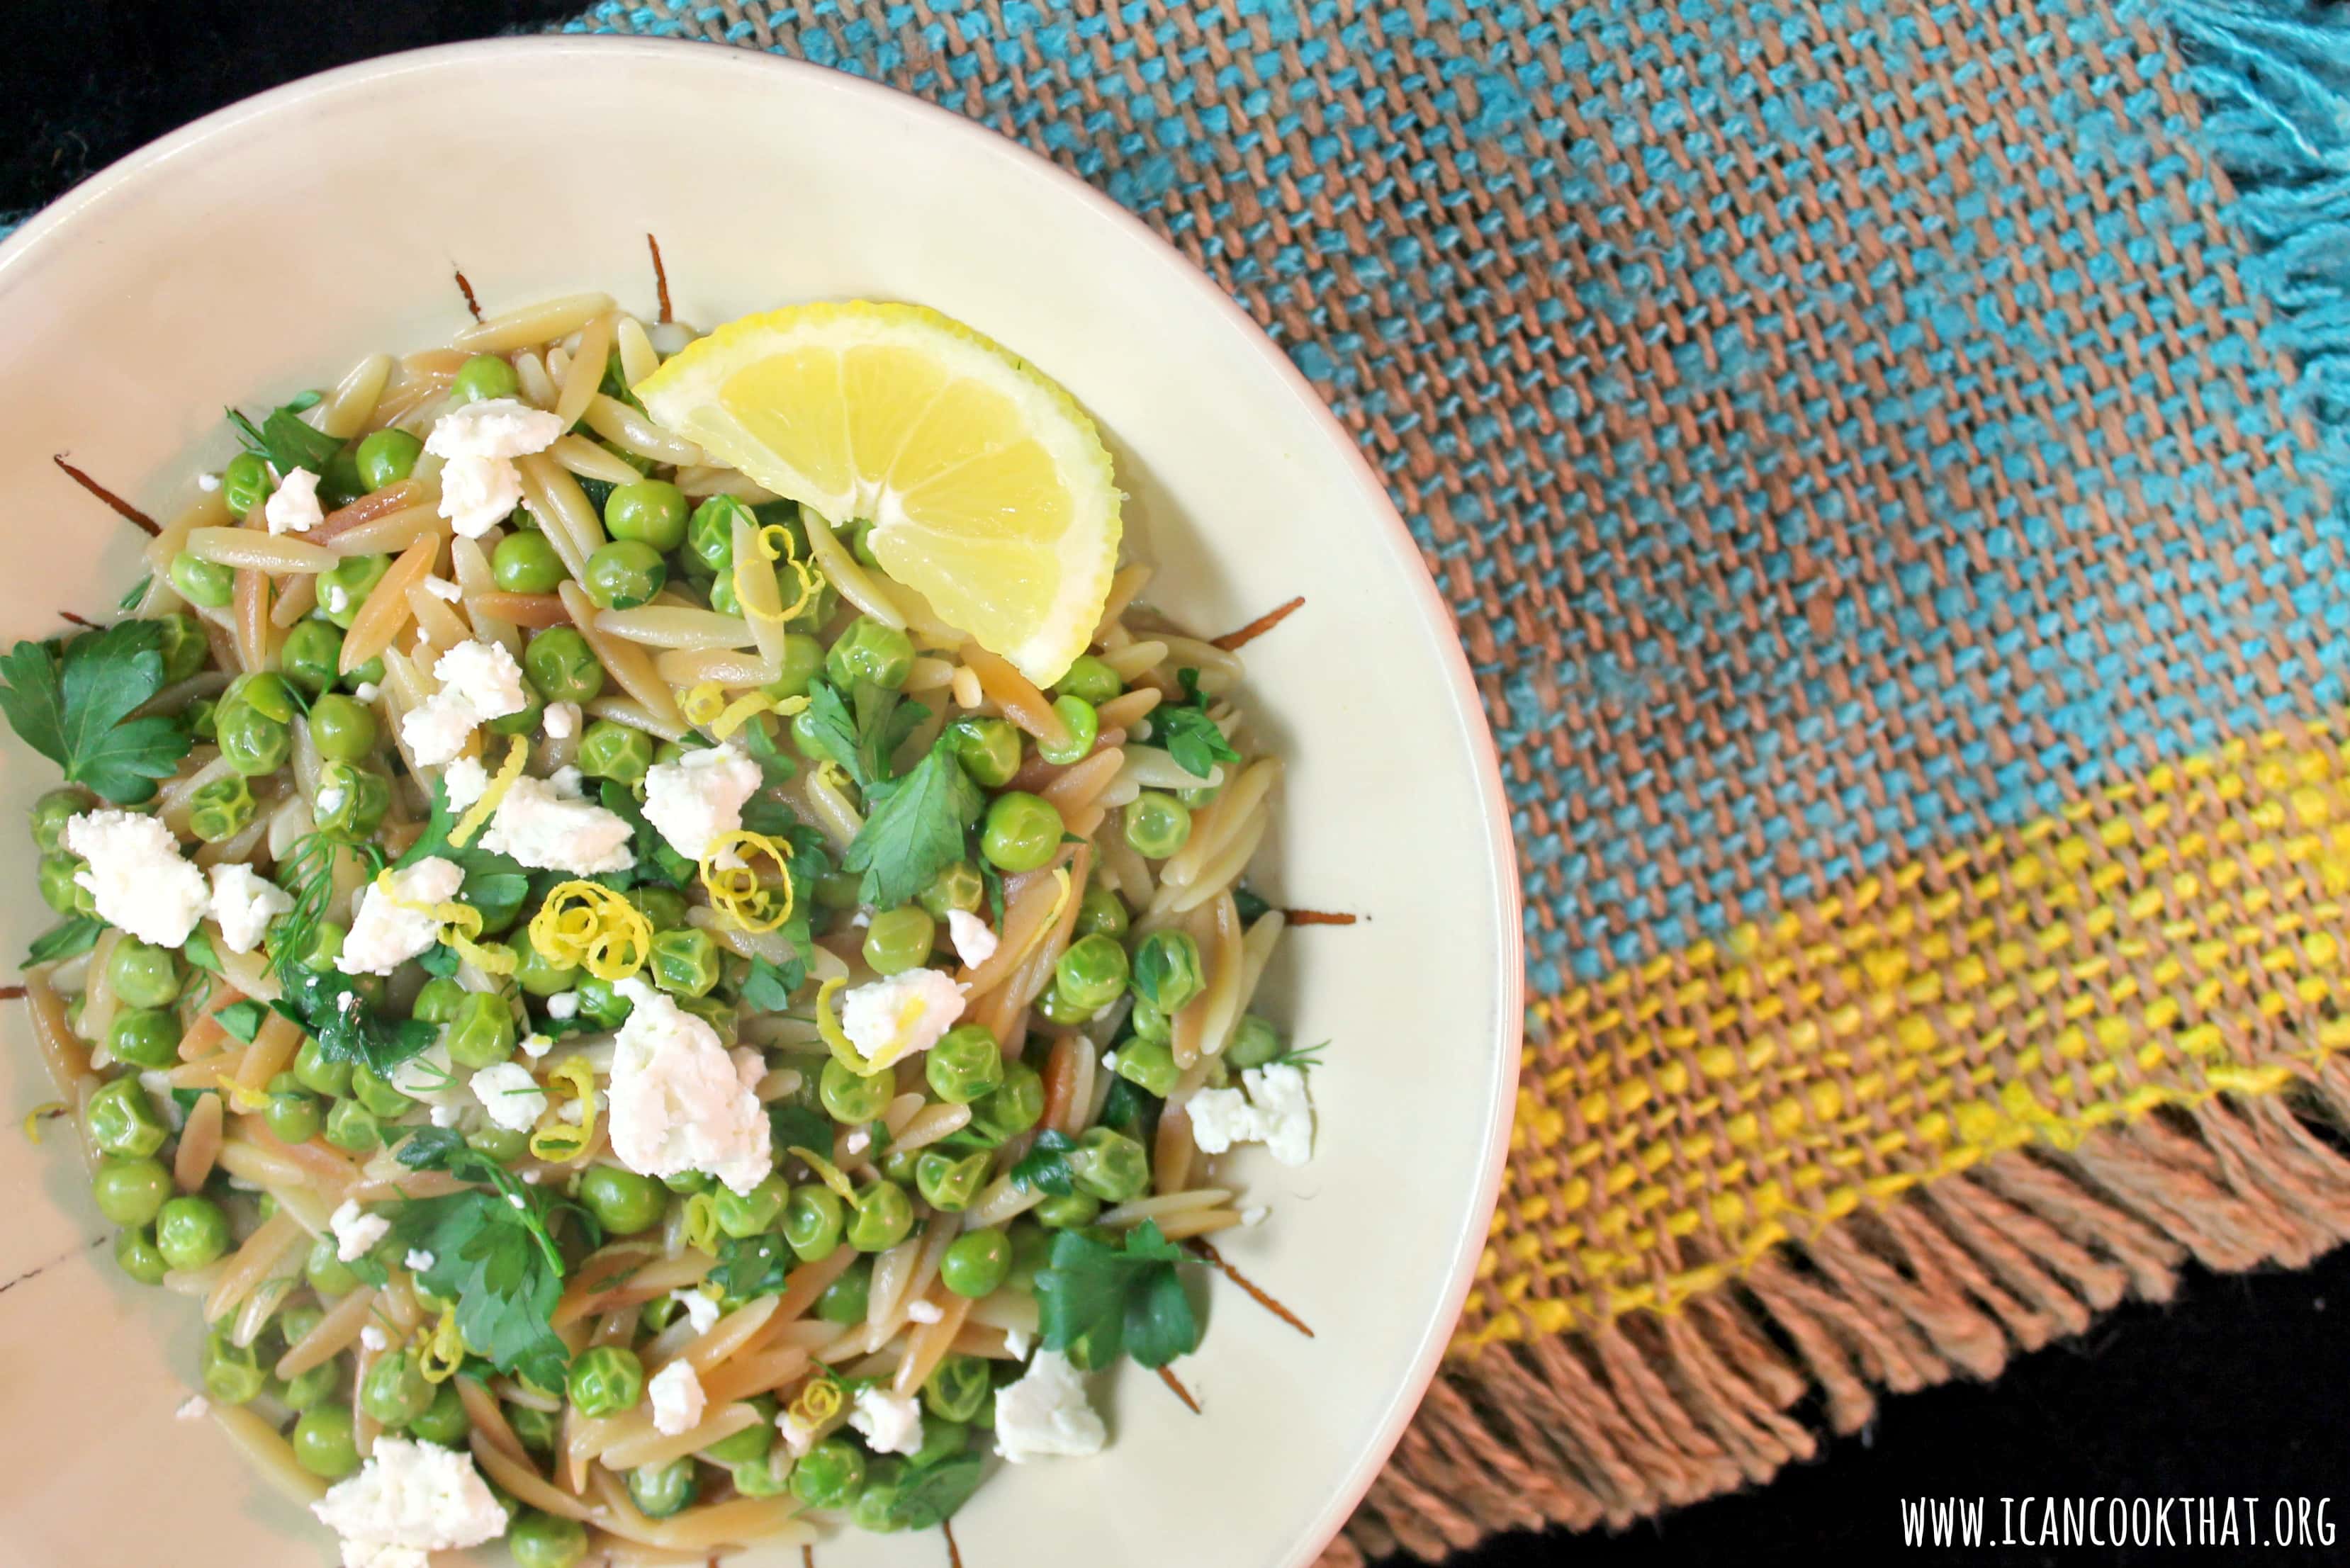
[[1609, 1425]]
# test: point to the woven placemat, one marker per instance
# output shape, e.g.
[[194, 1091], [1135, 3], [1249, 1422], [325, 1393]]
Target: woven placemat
[[1877, 454]]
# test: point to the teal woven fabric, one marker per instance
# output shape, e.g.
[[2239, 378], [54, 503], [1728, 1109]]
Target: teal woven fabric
[[1840, 428]]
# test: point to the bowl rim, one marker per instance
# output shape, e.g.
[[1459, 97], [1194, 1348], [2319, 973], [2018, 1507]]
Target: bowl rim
[[57, 225]]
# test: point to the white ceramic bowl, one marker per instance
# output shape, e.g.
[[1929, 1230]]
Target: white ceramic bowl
[[263, 249]]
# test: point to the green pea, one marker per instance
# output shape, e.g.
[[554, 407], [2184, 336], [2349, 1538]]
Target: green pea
[[837, 889], [897, 1165], [505, 1145], [1083, 727], [1111, 1166], [537, 974], [710, 534], [958, 1388], [1253, 1043], [1011, 1108], [52, 811], [340, 482], [122, 1122], [387, 457], [246, 482], [312, 653], [624, 573], [850, 1097], [622, 1202], [202, 582], [651, 510], [802, 660], [483, 377], [684, 961], [1022, 831], [1091, 972], [660, 1490], [144, 975], [537, 1539], [222, 809], [965, 1064], [947, 1183], [184, 648], [482, 1033], [562, 667], [367, 674], [813, 1222], [830, 1473], [860, 545], [1156, 824], [1150, 1065], [1069, 1211], [1089, 680], [686, 1183], [606, 1379], [988, 749], [352, 799], [394, 1391], [524, 563], [1101, 913], [59, 892], [664, 908], [1167, 970], [845, 1300], [1056, 1007], [900, 939], [880, 1217], [441, 997], [344, 586], [254, 743], [1148, 1023], [610, 751], [870, 652], [958, 886], [602, 1003], [750, 1213], [131, 1191], [354, 1129], [203, 718], [135, 1255], [376, 1093], [315, 1072], [145, 1037], [191, 1231], [308, 1388], [766, 1476], [323, 1442], [293, 1112], [232, 1373], [752, 1442], [875, 1507], [324, 1268], [343, 727], [444, 1420]]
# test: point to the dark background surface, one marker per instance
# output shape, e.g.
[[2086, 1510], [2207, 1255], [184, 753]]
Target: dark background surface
[[2236, 1389]]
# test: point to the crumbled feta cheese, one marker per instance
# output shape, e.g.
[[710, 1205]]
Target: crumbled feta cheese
[[889, 1020], [798, 1434], [479, 682], [332, 798], [678, 1104], [540, 827], [418, 1261], [374, 1339], [159, 1087], [293, 507], [355, 1230], [1109, 1061], [677, 1399], [974, 939], [563, 1005], [889, 1423], [535, 1045], [444, 590], [570, 783], [390, 929], [194, 1408], [208, 482], [1044, 1415], [410, 1498], [480, 485], [138, 876], [245, 904], [700, 796], [334, 598], [1276, 1113], [561, 721], [699, 1309], [858, 1141], [465, 781], [366, 692], [1017, 1344], [920, 1311], [513, 1099]]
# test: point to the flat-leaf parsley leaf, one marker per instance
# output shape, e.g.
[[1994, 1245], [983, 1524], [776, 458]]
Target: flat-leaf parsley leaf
[[74, 709], [1097, 1299], [1190, 737], [916, 831]]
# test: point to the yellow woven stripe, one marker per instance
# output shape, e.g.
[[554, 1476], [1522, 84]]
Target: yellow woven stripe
[[2168, 940]]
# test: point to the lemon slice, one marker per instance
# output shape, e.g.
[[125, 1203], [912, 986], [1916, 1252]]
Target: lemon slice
[[987, 487]]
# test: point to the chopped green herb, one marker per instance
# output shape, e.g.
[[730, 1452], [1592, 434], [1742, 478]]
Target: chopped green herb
[[1045, 1167], [915, 830], [129, 601], [1099, 1300], [74, 709], [769, 987], [928, 1494], [64, 940], [242, 1019], [494, 884], [286, 440], [657, 863], [1190, 737]]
